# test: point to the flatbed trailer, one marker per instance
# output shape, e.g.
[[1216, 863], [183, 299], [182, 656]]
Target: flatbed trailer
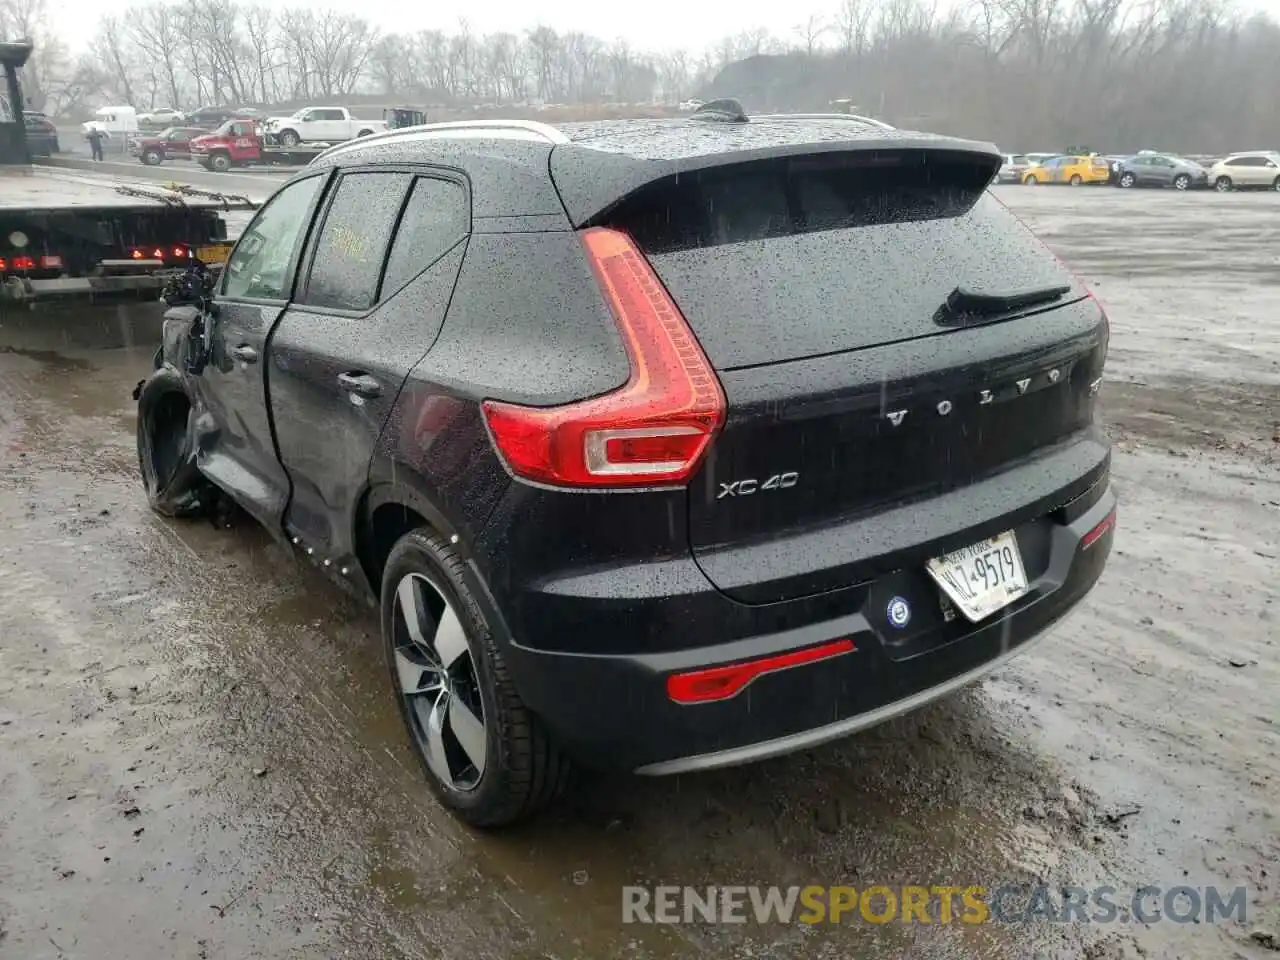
[[67, 234]]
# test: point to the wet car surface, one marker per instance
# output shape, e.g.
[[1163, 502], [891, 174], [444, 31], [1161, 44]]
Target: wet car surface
[[200, 755]]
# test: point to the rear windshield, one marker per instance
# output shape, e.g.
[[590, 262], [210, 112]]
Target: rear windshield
[[787, 259]]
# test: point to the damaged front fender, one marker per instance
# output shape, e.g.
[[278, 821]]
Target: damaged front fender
[[169, 418]]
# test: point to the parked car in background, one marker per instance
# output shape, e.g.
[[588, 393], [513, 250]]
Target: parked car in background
[[1012, 167], [161, 117], [1254, 169], [173, 143], [1074, 170], [1034, 158], [320, 125], [1162, 170], [42, 135], [614, 549], [210, 118]]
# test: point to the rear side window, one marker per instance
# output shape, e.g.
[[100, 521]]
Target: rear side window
[[436, 217], [353, 241], [780, 260]]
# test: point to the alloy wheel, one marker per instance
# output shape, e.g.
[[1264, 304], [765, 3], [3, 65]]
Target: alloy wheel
[[437, 679], [1181, 182]]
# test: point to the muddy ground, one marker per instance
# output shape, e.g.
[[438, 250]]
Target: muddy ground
[[200, 756]]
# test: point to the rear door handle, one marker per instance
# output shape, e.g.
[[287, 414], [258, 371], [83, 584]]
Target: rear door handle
[[361, 384], [245, 353]]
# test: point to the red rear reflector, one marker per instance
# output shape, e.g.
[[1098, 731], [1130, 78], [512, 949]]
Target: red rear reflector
[[722, 683], [157, 254], [656, 428], [23, 263], [137, 254], [1098, 532], [179, 251]]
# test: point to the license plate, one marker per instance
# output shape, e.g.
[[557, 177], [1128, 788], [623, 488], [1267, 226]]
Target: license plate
[[216, 254], [982, 578]]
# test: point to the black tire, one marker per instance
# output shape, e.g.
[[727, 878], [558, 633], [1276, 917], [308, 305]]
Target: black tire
[[1276, 186], [1223, 185], [174, 484], [152, 158], [523, 769], [1030, 180], [1076, 180], [220, 162], [364, 133], [1182, 182], [1127, 180], [289, 138]]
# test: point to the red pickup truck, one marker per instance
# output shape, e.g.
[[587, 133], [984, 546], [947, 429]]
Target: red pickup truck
[[240, 143], [168, 143]]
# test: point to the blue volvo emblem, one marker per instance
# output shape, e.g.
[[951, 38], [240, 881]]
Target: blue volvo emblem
[[898, 612]]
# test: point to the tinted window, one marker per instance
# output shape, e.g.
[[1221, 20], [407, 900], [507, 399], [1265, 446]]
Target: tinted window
[[261, 266], [780, 260], [436, 217], [329, 115], [353, 241]]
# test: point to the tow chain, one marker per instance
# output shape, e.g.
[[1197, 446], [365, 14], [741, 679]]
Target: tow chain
[[226, 199], [180, 191]]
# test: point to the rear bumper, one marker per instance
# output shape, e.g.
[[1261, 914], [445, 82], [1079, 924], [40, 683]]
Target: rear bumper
[[613, 711]]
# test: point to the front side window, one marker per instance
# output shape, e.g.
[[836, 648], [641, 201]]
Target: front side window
[[261, 266]]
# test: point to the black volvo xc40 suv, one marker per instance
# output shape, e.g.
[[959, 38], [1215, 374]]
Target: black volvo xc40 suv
[[663, 445]]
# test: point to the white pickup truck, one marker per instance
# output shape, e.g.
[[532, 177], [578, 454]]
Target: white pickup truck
[[320, 125]]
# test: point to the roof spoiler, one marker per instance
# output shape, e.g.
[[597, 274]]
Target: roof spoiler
[[591, 182]]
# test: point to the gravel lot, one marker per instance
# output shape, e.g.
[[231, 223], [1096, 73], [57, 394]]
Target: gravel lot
[[200, 758]]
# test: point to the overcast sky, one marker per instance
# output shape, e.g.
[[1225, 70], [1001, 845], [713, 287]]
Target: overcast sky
[[646, 25]]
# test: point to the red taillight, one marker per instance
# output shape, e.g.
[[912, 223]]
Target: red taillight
[[1098, 532], [179, 251], [721, 683], [656, 428], [157, 254], [137, 254], [22, 263]]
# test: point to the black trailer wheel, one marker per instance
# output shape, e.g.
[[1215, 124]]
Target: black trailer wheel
[[166, 447], [289, 138]]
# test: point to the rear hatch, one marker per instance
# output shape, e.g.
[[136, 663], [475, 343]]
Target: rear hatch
[[818, 286]]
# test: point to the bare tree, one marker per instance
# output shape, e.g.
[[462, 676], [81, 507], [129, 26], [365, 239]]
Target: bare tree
[[811, 32]]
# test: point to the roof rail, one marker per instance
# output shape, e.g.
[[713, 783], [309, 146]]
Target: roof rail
[[514, 129], [826, 116]]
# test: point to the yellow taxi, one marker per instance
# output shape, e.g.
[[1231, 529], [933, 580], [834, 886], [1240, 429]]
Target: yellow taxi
[[1068, 169]]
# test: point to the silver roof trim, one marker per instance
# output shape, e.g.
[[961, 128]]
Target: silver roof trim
[[856, 118], [453, 129]]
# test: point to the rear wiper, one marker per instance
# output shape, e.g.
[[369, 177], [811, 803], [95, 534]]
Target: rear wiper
[[963, 302]]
